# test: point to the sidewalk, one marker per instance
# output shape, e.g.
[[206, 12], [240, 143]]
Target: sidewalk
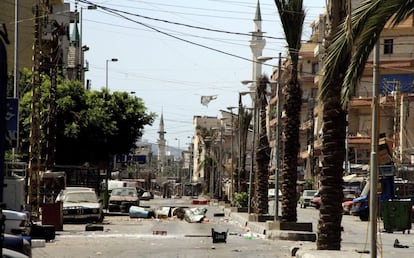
[[306, 246]]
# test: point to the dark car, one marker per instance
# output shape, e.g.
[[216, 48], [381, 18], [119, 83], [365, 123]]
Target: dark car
[[122, 199]]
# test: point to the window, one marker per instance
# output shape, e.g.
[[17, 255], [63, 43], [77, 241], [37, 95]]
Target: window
[[388, 46], [315, 68]]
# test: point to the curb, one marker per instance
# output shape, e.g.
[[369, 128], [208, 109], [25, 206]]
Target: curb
[[260, 228], [329, 254]]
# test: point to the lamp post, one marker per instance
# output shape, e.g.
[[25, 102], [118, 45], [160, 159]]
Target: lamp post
[[231, 154], [277, 138], [249, 201], [178, 159], [191, 149], [278, 129], [240, 117], [82, 48], [106, 70]]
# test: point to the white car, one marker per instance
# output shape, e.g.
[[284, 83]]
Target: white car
[[306, 197], [81, 205], [16, 222], [71, 189]]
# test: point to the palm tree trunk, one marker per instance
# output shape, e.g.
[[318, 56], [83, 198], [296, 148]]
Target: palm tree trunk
[[244, 176], [333, 147], [292, 16], [289, 173], [262, 154]]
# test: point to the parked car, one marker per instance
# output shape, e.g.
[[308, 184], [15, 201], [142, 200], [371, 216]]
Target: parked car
[[18, 243], [122, 199], [16, 222], [81, 205], [271, 194], [71, 189], [306, 197], [349, 195], [146, 196], [347, 204], [8, 253], [316, 200]]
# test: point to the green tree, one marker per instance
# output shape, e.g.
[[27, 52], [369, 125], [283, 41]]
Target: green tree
[[292, 16], [91, 125]]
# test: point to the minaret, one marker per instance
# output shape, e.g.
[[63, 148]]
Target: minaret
[[257, 43], [161, 146], [73, 53]]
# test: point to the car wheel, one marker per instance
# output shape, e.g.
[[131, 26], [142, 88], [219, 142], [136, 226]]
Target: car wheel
[[363, 215], [101, 218]]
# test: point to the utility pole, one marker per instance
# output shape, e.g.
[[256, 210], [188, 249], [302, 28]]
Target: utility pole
[[232, 174], [53, 46], [40, 16], [3, 93], [373, 183]]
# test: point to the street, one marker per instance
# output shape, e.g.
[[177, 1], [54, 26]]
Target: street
[[130, 237]]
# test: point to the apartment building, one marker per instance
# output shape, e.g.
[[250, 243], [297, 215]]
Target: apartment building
[[396, 118], [71, 54]]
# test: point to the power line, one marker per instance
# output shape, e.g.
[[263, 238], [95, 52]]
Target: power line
[[116, 11]]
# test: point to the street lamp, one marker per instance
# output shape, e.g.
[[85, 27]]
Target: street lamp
[[231, 154], [178, 159], [82, 48], [240, 117], [278, 129], [277, 138], [106, 70], [249, 201]]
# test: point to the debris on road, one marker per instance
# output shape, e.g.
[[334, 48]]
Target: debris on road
[[195, 215], [138, 212], [94, 227], [398, 245], [219, 237]]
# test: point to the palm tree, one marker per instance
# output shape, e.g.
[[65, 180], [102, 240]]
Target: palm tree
[[206, 136], [292, 16], [368, 20], [334, 132], [262, 152], [245, 118]]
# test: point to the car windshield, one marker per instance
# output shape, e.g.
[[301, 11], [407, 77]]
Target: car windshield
[[309, 193], [124, 192], [80, 197]]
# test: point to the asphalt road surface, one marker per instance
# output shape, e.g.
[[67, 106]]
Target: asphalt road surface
[[131, 237]]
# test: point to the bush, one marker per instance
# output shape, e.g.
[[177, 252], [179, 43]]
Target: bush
[[240, 199]]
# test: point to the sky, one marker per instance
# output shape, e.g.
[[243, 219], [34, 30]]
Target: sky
[[170, 53]]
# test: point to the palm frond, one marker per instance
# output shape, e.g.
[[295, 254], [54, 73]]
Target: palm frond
[[368, 22], [292, 16], [406, 8]]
